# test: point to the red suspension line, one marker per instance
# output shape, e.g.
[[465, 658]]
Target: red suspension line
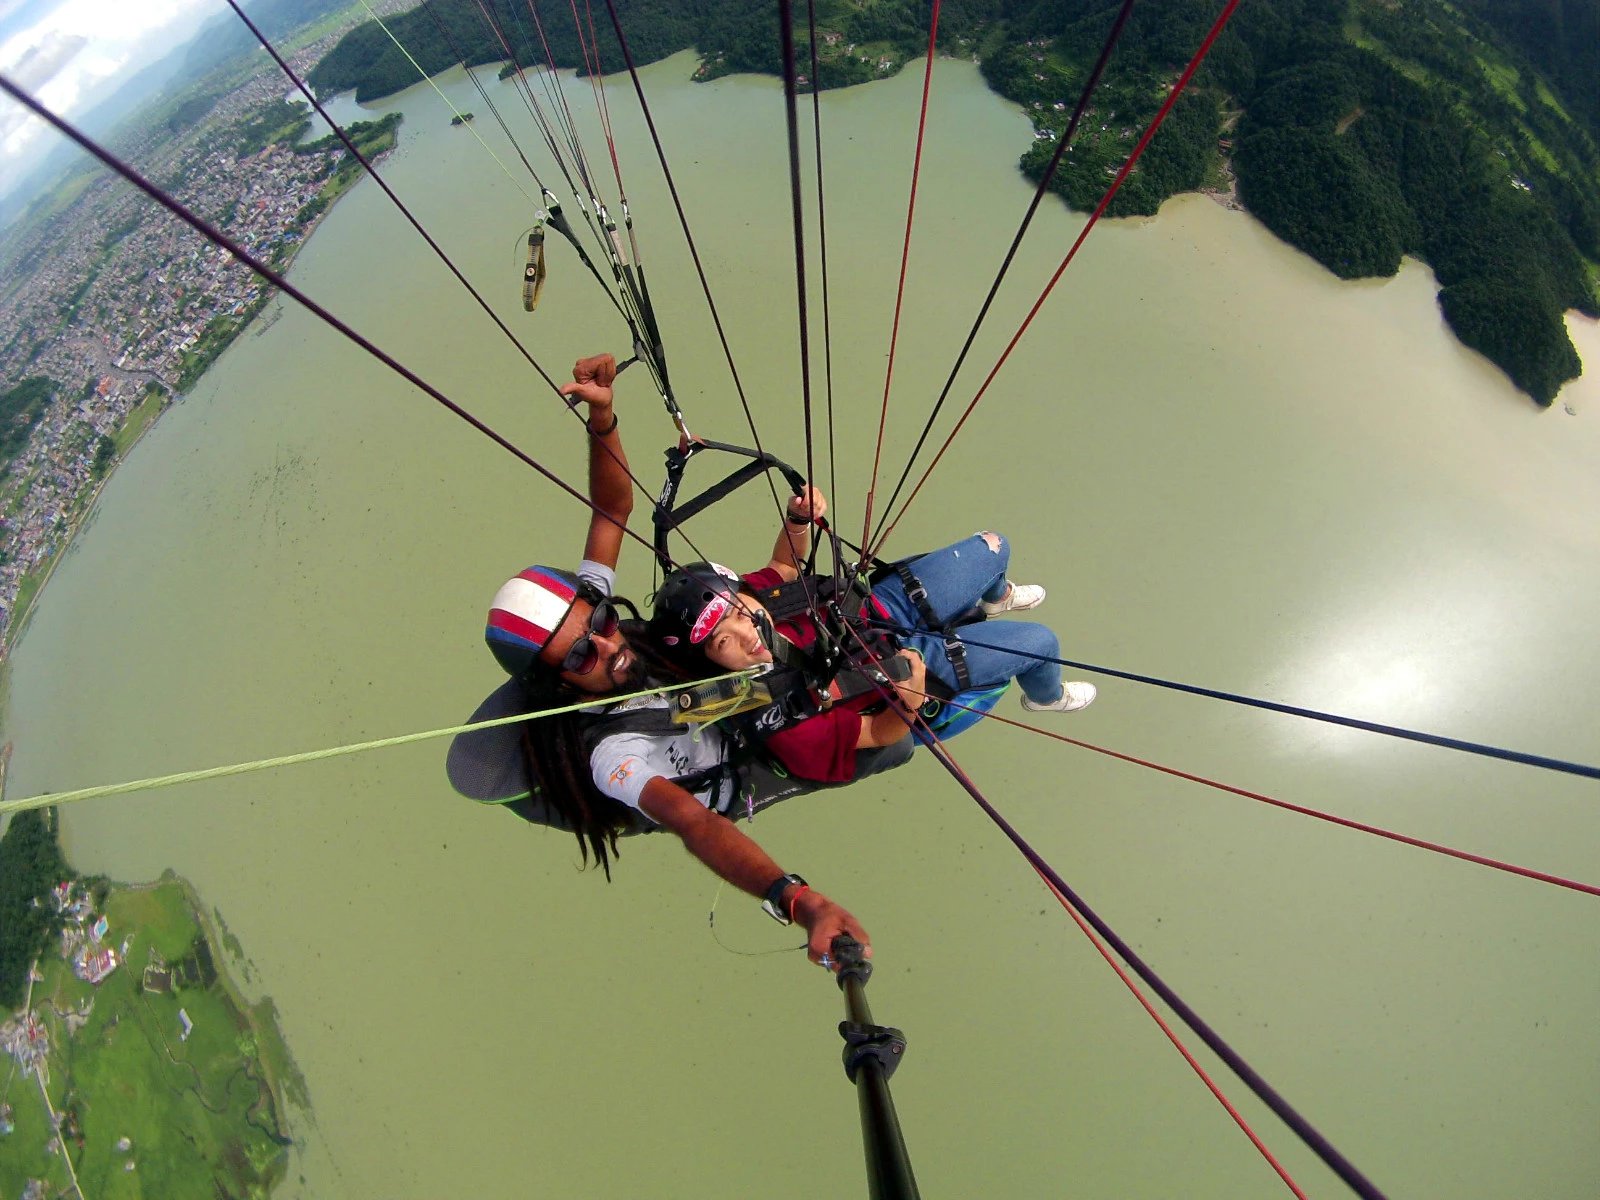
[[599, 88], [1144, 1001], [905, 254], [1296, 1123], [1420, 843], [1094, 218], [558, 102]]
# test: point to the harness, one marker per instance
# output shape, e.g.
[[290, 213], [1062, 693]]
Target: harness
[[851, 655], [833, 606]]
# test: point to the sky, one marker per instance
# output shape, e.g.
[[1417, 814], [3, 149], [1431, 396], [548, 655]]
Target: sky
[[69, 54]]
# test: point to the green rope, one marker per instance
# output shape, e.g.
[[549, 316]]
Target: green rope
[[457, 112], [288, 760]]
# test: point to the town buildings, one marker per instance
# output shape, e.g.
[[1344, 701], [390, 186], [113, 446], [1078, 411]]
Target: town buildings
[[117, 302]]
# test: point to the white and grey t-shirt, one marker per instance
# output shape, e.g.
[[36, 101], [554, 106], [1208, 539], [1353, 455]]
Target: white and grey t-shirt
[[624, 762]]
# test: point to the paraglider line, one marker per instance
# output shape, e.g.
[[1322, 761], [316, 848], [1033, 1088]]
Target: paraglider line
[[1188, 1057], [50, 799], [688, 236], [1395, 731], [1346, 822], [905, 258], [1016, 242], [1094, 219], [1320, 1145], [244, 256]]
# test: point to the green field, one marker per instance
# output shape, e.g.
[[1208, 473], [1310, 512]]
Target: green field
[[200, 1117], [1504, 79], [140, 417]]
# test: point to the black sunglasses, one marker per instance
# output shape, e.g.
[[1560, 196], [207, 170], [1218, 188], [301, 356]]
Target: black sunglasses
[[585, 655]]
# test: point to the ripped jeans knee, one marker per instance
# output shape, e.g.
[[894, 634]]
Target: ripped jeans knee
[[996, 542]]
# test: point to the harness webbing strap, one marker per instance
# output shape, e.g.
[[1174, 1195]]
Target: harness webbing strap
[[954, 650]]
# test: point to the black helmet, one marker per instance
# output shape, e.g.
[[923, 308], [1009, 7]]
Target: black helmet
[[691, 603]]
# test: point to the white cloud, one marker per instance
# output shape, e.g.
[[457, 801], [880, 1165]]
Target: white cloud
[[102, 21], [107, 38], [42, 61]]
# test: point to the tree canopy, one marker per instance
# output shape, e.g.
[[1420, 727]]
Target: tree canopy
[[1358, 130], [30, 865], [21, 408]]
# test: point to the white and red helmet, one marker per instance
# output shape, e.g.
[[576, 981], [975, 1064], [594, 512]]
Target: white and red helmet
[[525, 614]]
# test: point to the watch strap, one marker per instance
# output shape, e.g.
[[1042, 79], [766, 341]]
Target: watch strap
[[772, 901]]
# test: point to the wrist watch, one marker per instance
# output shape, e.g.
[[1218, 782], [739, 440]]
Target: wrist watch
[[772, 904]]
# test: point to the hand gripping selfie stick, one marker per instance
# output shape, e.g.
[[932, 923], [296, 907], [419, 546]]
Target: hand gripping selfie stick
[[871, 1053]]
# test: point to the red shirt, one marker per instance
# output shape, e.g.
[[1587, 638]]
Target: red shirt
[[800, 630], [821, 748]]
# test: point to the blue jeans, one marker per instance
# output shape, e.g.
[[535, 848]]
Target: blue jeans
[[956, 578]]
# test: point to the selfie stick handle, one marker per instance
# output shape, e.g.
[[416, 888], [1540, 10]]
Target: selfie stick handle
[[871, 1054]]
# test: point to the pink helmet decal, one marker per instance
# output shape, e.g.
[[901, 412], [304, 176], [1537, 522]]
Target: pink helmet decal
[[710, 616]]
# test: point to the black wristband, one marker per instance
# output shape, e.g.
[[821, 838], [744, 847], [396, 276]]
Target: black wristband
[[774, 895], [797, 522], [608, 428]]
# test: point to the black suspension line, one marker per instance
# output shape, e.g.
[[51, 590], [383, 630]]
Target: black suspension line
[[178, 209], [1253, 1079], [524, 92], [488, 101], [694, 250], [1264, 1091], [797, 210], [306, 91], [623, 298], [597, 83], [1005, 266], [552, 212], [802, 307], [560, 98], [371, 170], [244, 256], [627, 263], [1520, 757], [631, 295], [822, 244]]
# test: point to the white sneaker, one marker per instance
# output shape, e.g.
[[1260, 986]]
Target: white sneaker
[[1074, 695], [1018, 597]]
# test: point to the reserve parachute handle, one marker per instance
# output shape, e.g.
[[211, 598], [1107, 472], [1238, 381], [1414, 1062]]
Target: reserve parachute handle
[[533, 273], [669, 514]]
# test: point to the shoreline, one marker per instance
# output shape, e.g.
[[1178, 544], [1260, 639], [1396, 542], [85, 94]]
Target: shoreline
[[271, 303], [284, 1079], [246, 1140]]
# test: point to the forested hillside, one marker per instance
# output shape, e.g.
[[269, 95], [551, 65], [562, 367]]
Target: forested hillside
[[30, 865], [1358, 130]]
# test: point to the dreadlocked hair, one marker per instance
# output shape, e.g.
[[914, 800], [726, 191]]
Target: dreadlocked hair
[[557, 759], [558, 776]]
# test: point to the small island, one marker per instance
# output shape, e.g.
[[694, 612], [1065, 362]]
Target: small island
[[461, 118], [130, 1052]]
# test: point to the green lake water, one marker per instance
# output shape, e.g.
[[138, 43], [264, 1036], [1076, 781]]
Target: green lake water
[[1228, 468]]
